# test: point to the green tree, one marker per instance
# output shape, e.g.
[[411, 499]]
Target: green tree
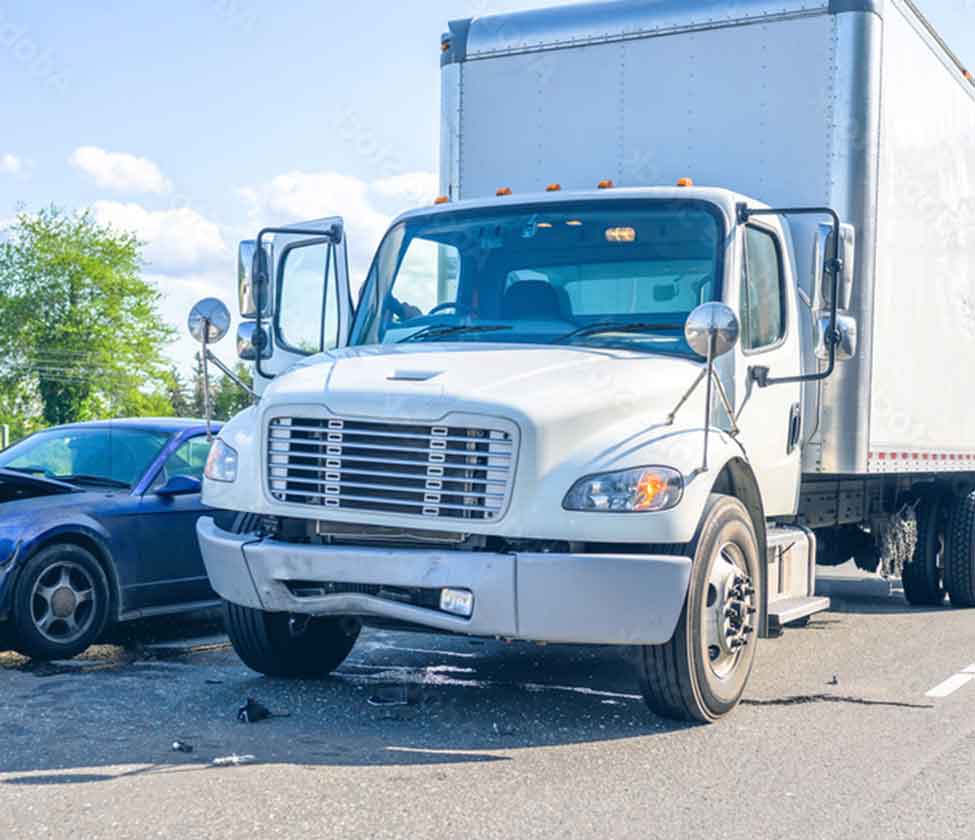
[[81, 336], [228, 397]]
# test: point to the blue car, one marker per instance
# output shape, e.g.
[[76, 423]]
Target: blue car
[[97, 526]]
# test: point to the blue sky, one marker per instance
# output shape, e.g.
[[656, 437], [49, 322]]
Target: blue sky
[[195, 121]]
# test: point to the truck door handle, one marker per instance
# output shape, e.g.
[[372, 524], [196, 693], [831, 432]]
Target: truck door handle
[[795, 428]]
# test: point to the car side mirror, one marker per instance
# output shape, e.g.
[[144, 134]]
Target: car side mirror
[[180, 485]]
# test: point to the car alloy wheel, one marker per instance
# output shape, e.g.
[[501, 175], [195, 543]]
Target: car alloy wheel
[[63, 603]]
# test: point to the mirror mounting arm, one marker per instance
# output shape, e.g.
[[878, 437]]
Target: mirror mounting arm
[[261, 269], [226, 371], [834, 266]]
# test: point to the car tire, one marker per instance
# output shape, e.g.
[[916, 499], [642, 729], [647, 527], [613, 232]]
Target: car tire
[[923, 576], [60, 603], [701, 673], [960, 552], [269, 644]]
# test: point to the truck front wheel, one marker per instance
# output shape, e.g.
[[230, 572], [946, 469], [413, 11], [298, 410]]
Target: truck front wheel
[[701, 673], [281, 645]]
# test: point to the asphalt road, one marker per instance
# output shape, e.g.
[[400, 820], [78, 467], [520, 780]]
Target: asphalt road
[[838, 739]]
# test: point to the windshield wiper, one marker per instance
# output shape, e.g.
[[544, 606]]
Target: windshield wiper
[[616, 327], [30, 471], [444, 330], [94, 480]]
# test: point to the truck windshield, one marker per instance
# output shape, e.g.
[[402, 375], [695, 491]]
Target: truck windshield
[[602, 273]]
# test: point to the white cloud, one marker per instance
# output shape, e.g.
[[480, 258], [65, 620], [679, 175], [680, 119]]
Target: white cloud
[[415, 187], [176, 241], [119, 171], [367, 207], [10, 164]]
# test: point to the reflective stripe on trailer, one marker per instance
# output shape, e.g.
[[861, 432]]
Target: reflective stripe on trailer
[[912, 460]]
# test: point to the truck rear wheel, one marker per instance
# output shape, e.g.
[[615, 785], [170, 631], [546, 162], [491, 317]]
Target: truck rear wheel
[[701, 673], [960, 552], [275, 645], [923, 576]]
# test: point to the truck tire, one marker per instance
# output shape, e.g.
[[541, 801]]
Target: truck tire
[[923, 576], [701, 673], [60, 603], [266, 643], [960, 552]]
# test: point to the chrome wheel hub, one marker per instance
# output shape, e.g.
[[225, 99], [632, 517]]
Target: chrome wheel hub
[[729, 610], [63, 602]]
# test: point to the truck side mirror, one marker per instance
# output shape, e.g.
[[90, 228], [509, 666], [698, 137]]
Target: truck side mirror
[[251, 340], [822, 250], [253, 280], [846, 328]]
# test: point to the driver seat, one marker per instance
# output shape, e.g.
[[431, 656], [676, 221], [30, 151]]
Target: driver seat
[[531, 300]]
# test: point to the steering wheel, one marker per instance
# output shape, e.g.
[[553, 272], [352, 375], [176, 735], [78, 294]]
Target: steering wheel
[[457, 306]]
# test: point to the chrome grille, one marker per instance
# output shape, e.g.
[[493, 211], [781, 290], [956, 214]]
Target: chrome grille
[[455, 472]]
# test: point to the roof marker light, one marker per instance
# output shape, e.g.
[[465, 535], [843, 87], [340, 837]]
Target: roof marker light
[[442, 199], [574, 223], [553, 188], [621, 234], [685, 182], [606, 185], [503, 191]]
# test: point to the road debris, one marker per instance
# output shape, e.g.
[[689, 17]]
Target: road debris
[[403, 694], [254, 712], [233, 760]]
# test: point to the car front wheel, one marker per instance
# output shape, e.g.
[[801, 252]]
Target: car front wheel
[[60, 603]]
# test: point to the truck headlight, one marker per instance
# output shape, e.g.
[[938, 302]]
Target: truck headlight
[[221, 463], [639, 490]]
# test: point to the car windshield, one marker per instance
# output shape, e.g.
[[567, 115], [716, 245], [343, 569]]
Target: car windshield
[[612, 273], [108, 457]]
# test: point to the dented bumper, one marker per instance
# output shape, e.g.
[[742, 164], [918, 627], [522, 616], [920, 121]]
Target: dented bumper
[[571, 598]]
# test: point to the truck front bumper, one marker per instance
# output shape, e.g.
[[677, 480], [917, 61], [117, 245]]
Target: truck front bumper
[[572, 598]]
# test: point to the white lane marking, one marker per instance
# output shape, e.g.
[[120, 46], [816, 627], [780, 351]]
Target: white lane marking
[[951, 685], [969, 670]]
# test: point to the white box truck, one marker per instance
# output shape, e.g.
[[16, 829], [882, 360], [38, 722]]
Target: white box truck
[[695, 309]]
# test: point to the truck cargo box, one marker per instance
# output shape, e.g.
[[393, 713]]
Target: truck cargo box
[[854, 104]]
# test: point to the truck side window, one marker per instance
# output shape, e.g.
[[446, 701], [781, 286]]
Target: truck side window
[[762, 292], [308, 314]]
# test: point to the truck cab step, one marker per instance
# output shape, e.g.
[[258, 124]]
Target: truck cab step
[[790, 610]]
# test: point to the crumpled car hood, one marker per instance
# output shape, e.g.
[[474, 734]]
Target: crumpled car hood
[[16, 487]]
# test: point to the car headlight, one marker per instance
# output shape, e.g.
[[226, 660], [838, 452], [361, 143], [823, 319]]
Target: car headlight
[[639, 490], [221, 463]]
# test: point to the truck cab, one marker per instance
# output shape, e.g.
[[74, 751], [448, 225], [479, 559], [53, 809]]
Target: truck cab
[[517, 434]]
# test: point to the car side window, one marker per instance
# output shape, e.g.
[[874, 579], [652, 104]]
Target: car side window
[[762, 292], [190, 460]]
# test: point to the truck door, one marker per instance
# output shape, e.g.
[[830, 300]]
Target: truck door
[[310, 304], [770, 418]]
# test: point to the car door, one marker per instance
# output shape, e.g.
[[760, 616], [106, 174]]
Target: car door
[[770, 418], [172, 568], [310, 309]]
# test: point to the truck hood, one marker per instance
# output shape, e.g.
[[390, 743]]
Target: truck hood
[[537, 384]]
